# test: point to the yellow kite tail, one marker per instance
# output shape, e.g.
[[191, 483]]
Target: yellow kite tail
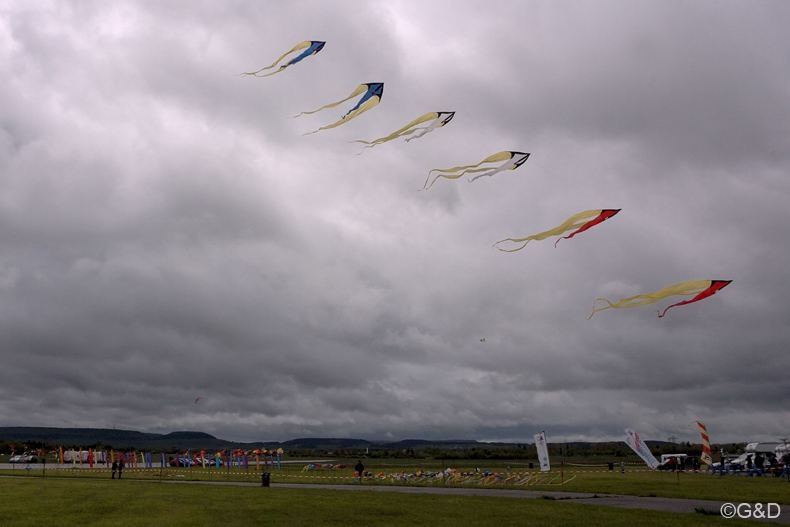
[[574, 222], [361, 89], [500, 156], [446, 176], [456, 176], [683, 288], [302, 45], [365, 106], [426, 186], [408, 129]]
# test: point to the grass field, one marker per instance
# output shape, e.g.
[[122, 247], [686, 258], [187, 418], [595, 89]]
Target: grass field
[[635, 481], [56, 502], [67, 496]]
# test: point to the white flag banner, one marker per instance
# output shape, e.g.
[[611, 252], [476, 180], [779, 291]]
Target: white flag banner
[[543, 451], [638, 446]]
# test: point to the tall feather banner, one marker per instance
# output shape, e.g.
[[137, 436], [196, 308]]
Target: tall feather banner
[[637, 445], [706, 456], [543, 451]]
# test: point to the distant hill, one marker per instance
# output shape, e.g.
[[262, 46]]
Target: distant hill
[[322, 443], [76, 437], [183, 440]]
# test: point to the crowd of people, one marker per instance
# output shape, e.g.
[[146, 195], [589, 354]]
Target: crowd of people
[[117, 467], [761, 463]]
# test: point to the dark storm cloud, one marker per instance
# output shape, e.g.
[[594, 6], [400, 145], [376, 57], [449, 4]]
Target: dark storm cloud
[[167, 233]]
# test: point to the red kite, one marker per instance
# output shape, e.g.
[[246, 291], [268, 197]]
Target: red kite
[[580, 222], [701, 288]]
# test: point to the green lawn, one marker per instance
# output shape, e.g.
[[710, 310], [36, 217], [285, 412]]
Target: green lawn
[[636, 480], [66, 502], [687, 485]]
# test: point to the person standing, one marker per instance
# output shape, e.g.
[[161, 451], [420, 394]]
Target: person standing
[[114, 468], [360, 468], [120, 466]]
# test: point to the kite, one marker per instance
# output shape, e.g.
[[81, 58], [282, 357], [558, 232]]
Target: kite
[[706, 453], [371, 95], [513, 160], [310, 47], [438, 119], [701, 288], [581, 222], [196, 400]]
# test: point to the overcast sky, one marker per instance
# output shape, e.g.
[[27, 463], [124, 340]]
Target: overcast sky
[[167, 232]]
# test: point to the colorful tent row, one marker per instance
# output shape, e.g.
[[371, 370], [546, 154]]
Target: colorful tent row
[[239, 458]]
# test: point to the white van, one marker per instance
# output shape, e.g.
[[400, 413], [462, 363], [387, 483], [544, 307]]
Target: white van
[[23, 458], [73, 456], [765, 448], [680, 460]]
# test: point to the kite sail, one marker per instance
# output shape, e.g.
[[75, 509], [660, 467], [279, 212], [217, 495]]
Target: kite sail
[[196, 400], [701, 288], [371, 95], [513, 160], [437, 119], [310, 47], [706, 456], [637, 445], [581, 222]]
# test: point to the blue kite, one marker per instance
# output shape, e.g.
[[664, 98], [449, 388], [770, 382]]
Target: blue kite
[[310, 47], [371, 96]]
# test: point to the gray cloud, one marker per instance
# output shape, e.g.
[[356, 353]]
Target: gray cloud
[[167, 233]]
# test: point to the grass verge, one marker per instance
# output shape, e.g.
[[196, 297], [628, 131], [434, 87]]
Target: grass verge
[[60, 502]]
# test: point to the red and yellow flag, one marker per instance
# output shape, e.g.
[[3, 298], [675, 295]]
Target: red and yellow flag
[[706, 453]]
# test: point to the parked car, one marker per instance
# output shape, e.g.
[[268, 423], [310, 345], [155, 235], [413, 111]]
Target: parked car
[[682, 462], [210, 462], [182, 461], [752, 460], [23, 458], [672, 462]]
